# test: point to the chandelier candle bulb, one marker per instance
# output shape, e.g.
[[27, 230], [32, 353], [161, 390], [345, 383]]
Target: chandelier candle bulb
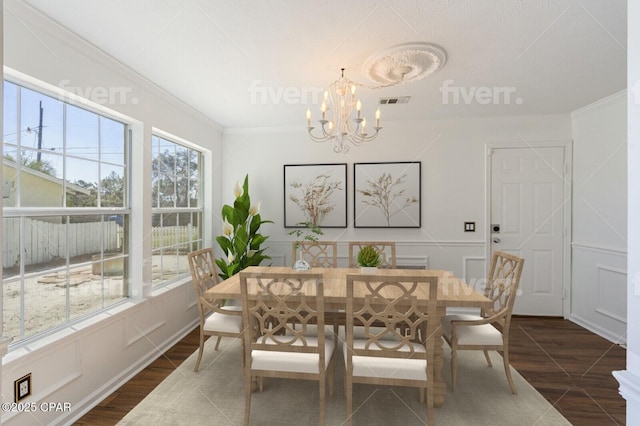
[[378, 117], [308, 117], [358, 107]]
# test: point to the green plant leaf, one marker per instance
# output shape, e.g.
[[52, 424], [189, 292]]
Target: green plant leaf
[[245, 236]]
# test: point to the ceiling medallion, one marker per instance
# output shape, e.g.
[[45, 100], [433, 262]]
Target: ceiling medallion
[[404, 63]]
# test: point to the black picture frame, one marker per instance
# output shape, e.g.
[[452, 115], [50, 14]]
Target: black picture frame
[[387, 195], [315, 193]]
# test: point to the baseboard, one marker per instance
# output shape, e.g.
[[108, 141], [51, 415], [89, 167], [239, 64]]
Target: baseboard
[[602, 332]]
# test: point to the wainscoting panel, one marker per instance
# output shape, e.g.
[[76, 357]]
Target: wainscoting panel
[[599, 290], [474, 271], [140, 323], [612, 285]]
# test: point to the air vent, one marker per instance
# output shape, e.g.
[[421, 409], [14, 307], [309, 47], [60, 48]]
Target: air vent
[[398, 100]]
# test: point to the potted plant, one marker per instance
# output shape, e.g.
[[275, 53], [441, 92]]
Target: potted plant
[[368, 259], [241, 239], [311, 235]]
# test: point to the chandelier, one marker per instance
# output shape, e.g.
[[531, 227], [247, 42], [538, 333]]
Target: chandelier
[[347, 126]]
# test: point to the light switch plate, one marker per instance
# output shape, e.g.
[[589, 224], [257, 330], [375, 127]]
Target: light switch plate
[[469, 227]]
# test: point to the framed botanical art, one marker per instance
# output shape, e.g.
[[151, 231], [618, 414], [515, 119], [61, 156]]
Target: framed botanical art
[[315, 193], [387, 195]]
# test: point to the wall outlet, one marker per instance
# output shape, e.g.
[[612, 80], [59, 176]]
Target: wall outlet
[[22, 387], [469, 227]]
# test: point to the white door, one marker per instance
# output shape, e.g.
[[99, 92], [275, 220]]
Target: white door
[[527, 211]]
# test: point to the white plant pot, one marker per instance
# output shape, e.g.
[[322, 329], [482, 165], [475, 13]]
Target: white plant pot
[[368, 269]]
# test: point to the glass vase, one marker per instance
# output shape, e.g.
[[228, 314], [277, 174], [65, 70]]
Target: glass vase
[[301, 264]]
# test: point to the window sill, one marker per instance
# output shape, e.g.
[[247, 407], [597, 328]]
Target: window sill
[[59, 336]]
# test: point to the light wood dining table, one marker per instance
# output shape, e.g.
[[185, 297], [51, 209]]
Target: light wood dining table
[[452, 292]]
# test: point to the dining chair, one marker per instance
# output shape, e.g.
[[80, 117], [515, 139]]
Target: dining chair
[[272, 304], [402, 351], [387, 250], [216, 317], [319, 254], [473, 332]]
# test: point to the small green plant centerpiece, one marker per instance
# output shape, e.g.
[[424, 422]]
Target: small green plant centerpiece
[[241, 239], [311, 234], [368, 259]]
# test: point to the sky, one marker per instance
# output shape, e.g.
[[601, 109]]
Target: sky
[[85, 131]]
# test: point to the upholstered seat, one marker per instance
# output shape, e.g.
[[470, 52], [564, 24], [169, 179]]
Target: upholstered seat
[[295, 362], [392, 368], [485, 334], [224, 323]]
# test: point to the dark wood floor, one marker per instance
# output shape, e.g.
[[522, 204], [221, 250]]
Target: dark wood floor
[[570, 366]]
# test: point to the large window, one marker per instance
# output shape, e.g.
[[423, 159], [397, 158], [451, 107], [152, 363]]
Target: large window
[[66, 212], [177, 208]]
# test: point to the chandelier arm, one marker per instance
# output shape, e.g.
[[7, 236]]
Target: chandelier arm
[[316, 138], [358, 140]]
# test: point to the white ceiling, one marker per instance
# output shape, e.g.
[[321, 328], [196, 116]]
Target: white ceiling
[[552, 56]]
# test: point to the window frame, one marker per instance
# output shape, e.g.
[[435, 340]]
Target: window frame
[[200, 210], [66, 213]]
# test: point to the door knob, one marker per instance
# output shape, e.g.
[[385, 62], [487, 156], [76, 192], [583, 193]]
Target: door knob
[[496, 240]]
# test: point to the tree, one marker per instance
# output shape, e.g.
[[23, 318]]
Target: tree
[[174, 181], [39, 165], [112, 191]]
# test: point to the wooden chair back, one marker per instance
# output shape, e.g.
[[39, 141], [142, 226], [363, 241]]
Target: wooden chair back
[[387, 250], [502, 285], [388, 310], [279, 309], [319, 254], [204, 275]]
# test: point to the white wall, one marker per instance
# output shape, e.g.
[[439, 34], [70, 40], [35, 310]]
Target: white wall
[[599, 252], [85, 362], [453, 156], [630, 378]]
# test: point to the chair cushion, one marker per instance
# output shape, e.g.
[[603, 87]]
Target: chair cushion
[[295, 362], [485, 334], [223, 323], [391, 368]]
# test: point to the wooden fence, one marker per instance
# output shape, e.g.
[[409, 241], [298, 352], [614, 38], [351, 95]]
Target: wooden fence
[[46, 241]]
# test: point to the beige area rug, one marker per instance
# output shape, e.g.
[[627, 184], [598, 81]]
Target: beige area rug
[[215, 396]]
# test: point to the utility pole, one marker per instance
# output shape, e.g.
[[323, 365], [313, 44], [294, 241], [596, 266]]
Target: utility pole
[[40, 134]]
